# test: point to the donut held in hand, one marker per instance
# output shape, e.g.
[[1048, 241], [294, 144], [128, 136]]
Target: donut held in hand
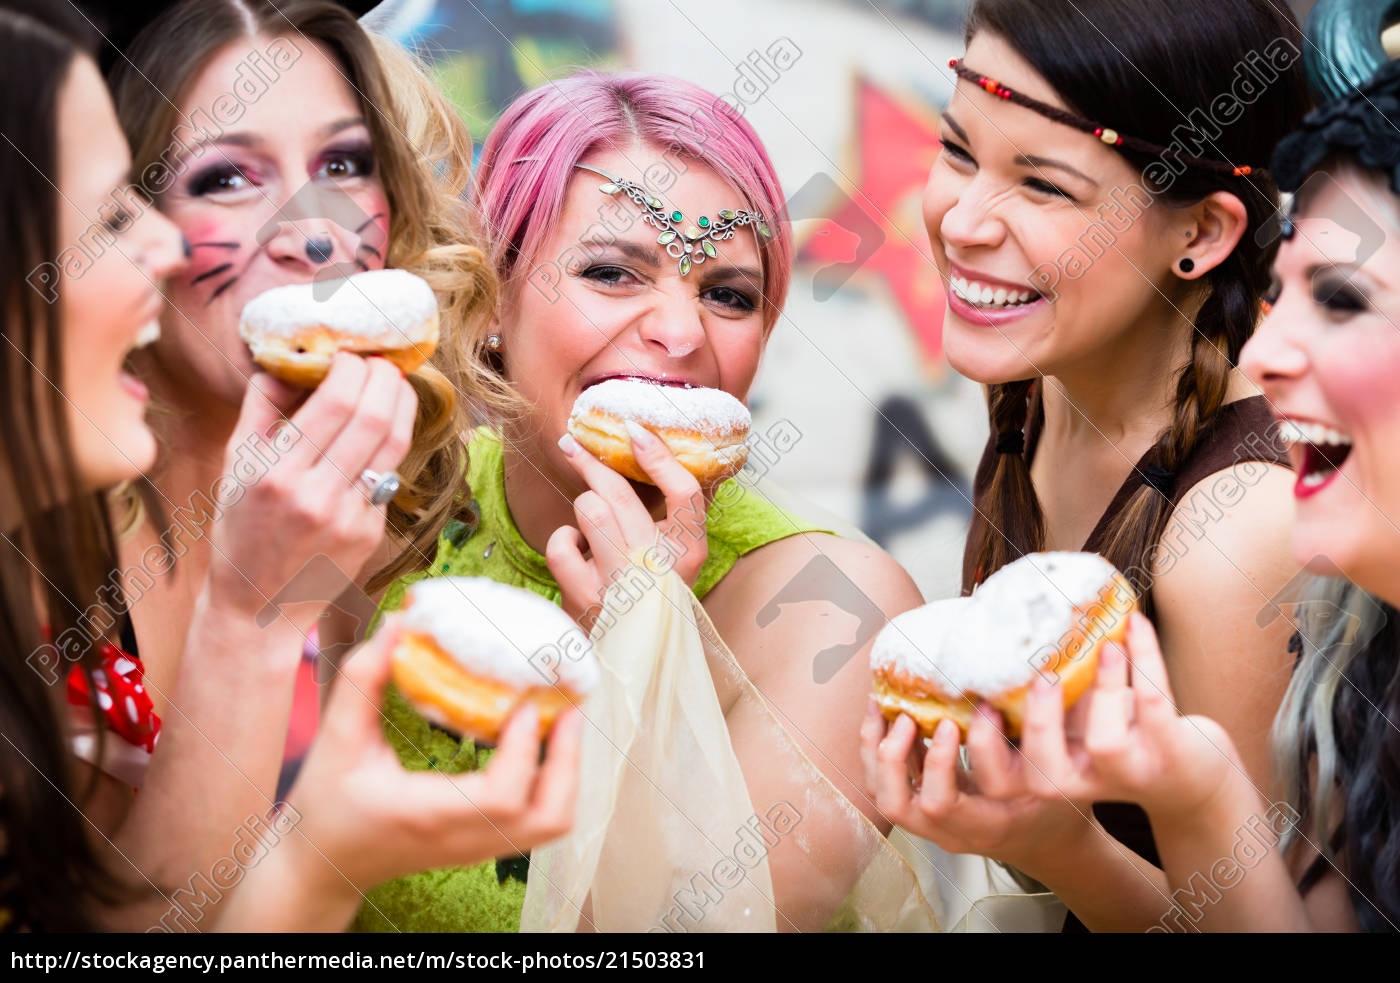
[[706, 429], [295, 331], [1046, 612], [472, 650]]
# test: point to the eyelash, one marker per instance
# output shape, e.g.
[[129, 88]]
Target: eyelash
[[1338, 297], [1035, 184], [741, 301], [207, 182], [361, 157]]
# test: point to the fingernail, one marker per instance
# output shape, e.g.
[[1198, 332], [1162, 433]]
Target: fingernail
[[568, 444], [641, 436]]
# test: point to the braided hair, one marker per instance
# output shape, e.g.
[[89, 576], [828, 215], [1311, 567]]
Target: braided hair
[[1144, 66]]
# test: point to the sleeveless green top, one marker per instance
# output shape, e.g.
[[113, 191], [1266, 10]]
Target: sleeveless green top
[[489, 897]]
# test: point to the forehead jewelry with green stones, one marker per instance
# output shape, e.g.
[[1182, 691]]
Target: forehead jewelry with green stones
[[692, 243]]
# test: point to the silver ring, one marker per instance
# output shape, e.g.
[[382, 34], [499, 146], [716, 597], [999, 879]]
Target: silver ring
[[382, 487]]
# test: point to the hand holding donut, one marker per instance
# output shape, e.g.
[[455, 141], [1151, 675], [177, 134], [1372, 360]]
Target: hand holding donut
[[986, 811], [615, 526], [1134, 746], [363, 819], [311, 499]]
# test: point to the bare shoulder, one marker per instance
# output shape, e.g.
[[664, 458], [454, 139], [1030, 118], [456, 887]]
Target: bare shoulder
[[1229, 532], [809, 593], [819, 561]]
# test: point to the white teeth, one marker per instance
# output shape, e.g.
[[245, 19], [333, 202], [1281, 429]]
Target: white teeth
[[985, 295], [148, 334], [1300, 431], [1314, 479]]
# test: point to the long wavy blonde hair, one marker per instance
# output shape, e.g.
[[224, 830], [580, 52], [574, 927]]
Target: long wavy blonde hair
[[423, 154]]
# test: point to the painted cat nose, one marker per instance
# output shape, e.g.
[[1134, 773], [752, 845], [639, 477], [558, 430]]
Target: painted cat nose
[[319, 250]]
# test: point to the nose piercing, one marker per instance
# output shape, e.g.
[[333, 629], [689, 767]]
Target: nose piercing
[[185, 245], [319, 250]]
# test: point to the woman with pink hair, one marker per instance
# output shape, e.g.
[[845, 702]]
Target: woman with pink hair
[[566, 185]]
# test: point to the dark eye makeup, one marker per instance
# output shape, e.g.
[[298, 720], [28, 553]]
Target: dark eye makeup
[[348, 161], [732, 298], [217, 178]]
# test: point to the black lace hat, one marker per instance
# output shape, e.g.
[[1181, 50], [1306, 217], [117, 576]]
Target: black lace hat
[[1363, 125]]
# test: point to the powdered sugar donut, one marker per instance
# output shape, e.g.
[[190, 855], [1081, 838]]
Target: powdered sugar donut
[[294, 335], [706, 429], [471, 650], [1046, 612]]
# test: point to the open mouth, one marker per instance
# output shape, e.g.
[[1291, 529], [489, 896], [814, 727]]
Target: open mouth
[[989, 296], [636, 377], [1325, 450]]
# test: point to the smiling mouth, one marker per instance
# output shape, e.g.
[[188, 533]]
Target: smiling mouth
[[1324, 451], [990, 296]]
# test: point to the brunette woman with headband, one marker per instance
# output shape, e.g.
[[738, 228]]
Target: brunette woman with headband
[[75, 428], [1325, 856], [1105, 266]]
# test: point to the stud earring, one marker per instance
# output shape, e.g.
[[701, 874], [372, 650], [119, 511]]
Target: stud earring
[[1186, 265], [493, 342]]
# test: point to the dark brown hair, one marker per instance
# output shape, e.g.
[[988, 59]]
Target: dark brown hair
[[57, 543], [1143, 67]]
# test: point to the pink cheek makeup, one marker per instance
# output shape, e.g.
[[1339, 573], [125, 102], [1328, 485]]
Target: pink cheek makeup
[[215, 250]]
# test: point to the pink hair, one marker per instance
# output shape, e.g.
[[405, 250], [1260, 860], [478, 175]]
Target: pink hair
[[528, 161]]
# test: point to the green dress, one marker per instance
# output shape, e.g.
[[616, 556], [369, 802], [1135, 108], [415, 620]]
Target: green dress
[[489, 897]]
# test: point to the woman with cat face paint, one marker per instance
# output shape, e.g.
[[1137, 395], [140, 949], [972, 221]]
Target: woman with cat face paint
[[240, 538], [73, 428]]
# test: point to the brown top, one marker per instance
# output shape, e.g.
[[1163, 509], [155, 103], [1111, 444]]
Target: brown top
[[1241, 431]]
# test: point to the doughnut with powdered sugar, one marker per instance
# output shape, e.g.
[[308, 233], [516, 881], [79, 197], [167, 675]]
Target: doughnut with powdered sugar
[[295, 331], [706, 429], [471, 650], [1046, 612]]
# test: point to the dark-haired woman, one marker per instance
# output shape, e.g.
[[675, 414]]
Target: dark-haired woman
[[1097, 210], [1325, 855], [73, 427]]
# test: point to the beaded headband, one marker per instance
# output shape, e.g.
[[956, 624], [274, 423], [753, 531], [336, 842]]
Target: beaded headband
[[1109, 136], [692, 243]]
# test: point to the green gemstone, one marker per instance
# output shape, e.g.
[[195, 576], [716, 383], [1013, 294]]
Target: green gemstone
[[665, 237], [609, 188], [685, 265], [703, 222], [676, 216], [654, 202], [726, 214], [691, 232], [709, 248], [763, 231]]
